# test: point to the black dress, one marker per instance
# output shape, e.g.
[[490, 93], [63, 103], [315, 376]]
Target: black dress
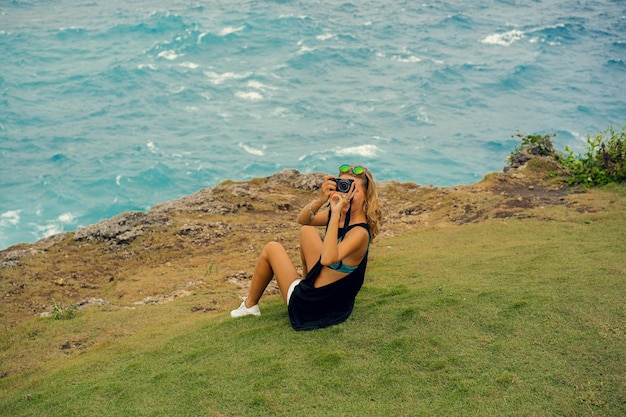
[[314, 308]]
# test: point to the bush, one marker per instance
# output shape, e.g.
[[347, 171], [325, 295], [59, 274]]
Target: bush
[[61, 312], [603, 162], [532, 146]]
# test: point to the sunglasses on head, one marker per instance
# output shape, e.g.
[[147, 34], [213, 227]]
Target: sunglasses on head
[[356, 170]]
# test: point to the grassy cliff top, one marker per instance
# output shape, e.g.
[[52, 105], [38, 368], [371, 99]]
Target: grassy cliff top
[[211, 239], [503, 297]]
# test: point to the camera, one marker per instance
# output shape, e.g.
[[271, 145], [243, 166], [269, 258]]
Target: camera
[[343, 185]]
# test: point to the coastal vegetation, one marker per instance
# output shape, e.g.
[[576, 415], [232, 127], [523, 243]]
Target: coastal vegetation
[[503, 297], [603, 162]]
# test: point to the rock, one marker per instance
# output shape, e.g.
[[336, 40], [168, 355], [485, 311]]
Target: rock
[[121, 229], [13, 256], [308, 182], [92, 302]]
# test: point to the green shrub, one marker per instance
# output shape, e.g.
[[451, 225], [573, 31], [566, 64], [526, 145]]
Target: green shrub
[[532, 146], [61, 312], [603, 162]]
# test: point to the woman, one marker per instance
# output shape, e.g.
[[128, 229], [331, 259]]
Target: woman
[[333, 268]]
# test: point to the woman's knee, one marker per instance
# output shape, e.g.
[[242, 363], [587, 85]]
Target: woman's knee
[[271, 248], [307, 233], [310, 244]]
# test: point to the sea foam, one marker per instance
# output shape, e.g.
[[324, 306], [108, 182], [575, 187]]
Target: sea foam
[[365, 151], [504, 39]]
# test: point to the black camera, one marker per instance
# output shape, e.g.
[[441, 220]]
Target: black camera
[[343, 185]]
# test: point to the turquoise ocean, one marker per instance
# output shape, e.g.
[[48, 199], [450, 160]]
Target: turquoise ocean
[[111, 106]]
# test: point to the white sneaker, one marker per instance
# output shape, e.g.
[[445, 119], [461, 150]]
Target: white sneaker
[[245, 311]]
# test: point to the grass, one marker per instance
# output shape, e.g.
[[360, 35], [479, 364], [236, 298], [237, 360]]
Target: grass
[[511, 317]]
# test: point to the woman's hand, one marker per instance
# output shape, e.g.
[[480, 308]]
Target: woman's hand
[[338, 200], [328, 186]]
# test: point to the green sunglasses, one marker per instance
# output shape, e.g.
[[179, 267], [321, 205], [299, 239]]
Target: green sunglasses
[[357, 170]]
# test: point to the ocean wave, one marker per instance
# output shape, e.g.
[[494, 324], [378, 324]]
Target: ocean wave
[[253, 151], [619, 44], [503, 39], [458, 21], [612, 63], [406, 59], [70, 32], [189, 65], [229, 30], [53, 227], [219, 78], [10, 218], [326, 36], [152, 147], [521, 76], [257, 85], [249, 95], [365, 151], [169, 55], [559, 33]]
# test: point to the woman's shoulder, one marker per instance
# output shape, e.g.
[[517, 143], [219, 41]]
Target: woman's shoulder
[[362, 226], [359, 229]]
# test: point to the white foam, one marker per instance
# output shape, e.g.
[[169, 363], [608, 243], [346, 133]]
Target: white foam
[[325, 37], [504, 39], [190, 65], [226, 76], [48, 230], [366, 151], [10, 218], [66, 218], [229, 29], [408, 59], [70, 28], [151, 146], [423, 116], [249, 95], [169, 55], [304, 49], [117, 180], [251, 150], [292, 16], [279, 111], [55, 226], [258, 85], [201, 36]]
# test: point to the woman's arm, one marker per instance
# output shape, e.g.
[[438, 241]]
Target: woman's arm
[[350, 250], [309, 214]]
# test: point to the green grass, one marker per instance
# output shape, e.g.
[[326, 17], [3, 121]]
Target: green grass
[[502, 318]]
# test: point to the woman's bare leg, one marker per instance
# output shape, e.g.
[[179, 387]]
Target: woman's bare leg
[[310, 247], [273, 262]]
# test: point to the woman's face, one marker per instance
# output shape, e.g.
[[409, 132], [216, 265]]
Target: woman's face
[[358, 200]]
